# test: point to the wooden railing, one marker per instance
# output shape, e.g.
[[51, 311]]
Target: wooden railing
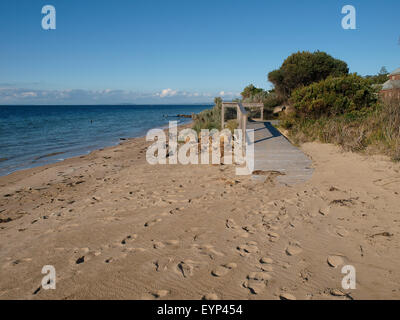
[[242, 114]]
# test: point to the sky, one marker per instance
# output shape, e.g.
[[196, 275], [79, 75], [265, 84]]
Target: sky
[[161, 52]]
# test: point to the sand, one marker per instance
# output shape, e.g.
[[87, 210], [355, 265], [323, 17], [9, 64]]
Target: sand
[[115, 227]]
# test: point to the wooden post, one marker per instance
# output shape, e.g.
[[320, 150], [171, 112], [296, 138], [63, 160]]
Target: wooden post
[[222, 117], [262, 113], [244, 121], [239, 116]]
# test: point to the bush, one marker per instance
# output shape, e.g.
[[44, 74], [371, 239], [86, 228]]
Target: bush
[[376, 131], [210, 118], [351, 95], [270, 99], [232, 125]]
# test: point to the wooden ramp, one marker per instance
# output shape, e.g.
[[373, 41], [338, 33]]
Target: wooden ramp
[[273, 152]]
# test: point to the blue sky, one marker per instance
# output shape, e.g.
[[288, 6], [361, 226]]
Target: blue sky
[[188, 51]]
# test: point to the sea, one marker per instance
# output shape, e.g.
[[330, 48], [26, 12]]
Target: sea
[[32, 136]]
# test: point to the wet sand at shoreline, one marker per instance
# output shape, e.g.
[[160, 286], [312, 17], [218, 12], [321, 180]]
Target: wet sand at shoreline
[[115, 227]]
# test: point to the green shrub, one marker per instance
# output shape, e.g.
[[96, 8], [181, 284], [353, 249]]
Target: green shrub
[[269, 98], [376, 131], [210, 118], [232, 125], [351, 95]]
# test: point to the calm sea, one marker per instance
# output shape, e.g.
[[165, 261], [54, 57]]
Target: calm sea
[[36, 135]]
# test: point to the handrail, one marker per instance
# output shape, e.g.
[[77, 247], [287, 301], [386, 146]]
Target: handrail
[[253, 105], [242, 109], [242, 114]]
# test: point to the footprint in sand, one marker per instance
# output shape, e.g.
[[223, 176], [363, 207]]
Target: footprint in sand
[[223, 270], [287, 296], [109, 260], [256, 282], [82, 255], [16, 262], [160, 293], [324, 211], [293, 249], [248, 248], [208, 249], [172, 243], [155, 295], [158, 245], [210, 296], [231, 224], [152, 222], [335, 261], [128, 239], [163, 263], [273, 236], [266, 264], [118, 257], [249, 229], [186, 268], [342, 232]]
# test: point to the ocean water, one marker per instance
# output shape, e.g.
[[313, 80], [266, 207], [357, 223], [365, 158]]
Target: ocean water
[[32, 136]]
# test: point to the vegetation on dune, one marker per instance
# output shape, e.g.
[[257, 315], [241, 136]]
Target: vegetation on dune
[[210, 118], [350, 94], [269, 98], [376, 130], [329, 105], [325, 103], [345, 111]]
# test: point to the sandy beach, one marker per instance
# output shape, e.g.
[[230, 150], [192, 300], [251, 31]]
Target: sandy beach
[[115, 227]]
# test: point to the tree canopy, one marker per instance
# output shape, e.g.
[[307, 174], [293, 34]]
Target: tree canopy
[[250, 91], [305, 68]]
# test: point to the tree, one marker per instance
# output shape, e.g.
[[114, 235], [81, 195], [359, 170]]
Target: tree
[[383, 71], [250, 91], [303, 69], [380, 78]]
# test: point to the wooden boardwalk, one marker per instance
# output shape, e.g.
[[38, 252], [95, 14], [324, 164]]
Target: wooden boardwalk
[[273, 152]]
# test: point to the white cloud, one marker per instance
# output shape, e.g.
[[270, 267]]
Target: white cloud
[[168, 93], [29, 94], [107, 96]]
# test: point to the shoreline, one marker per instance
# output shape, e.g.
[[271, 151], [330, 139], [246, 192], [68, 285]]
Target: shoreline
[[121, 140]]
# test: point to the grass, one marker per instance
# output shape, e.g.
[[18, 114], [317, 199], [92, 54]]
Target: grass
[[376, 132]]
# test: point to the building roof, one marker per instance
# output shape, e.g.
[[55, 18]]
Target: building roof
[[391, 84], [395, 72]]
